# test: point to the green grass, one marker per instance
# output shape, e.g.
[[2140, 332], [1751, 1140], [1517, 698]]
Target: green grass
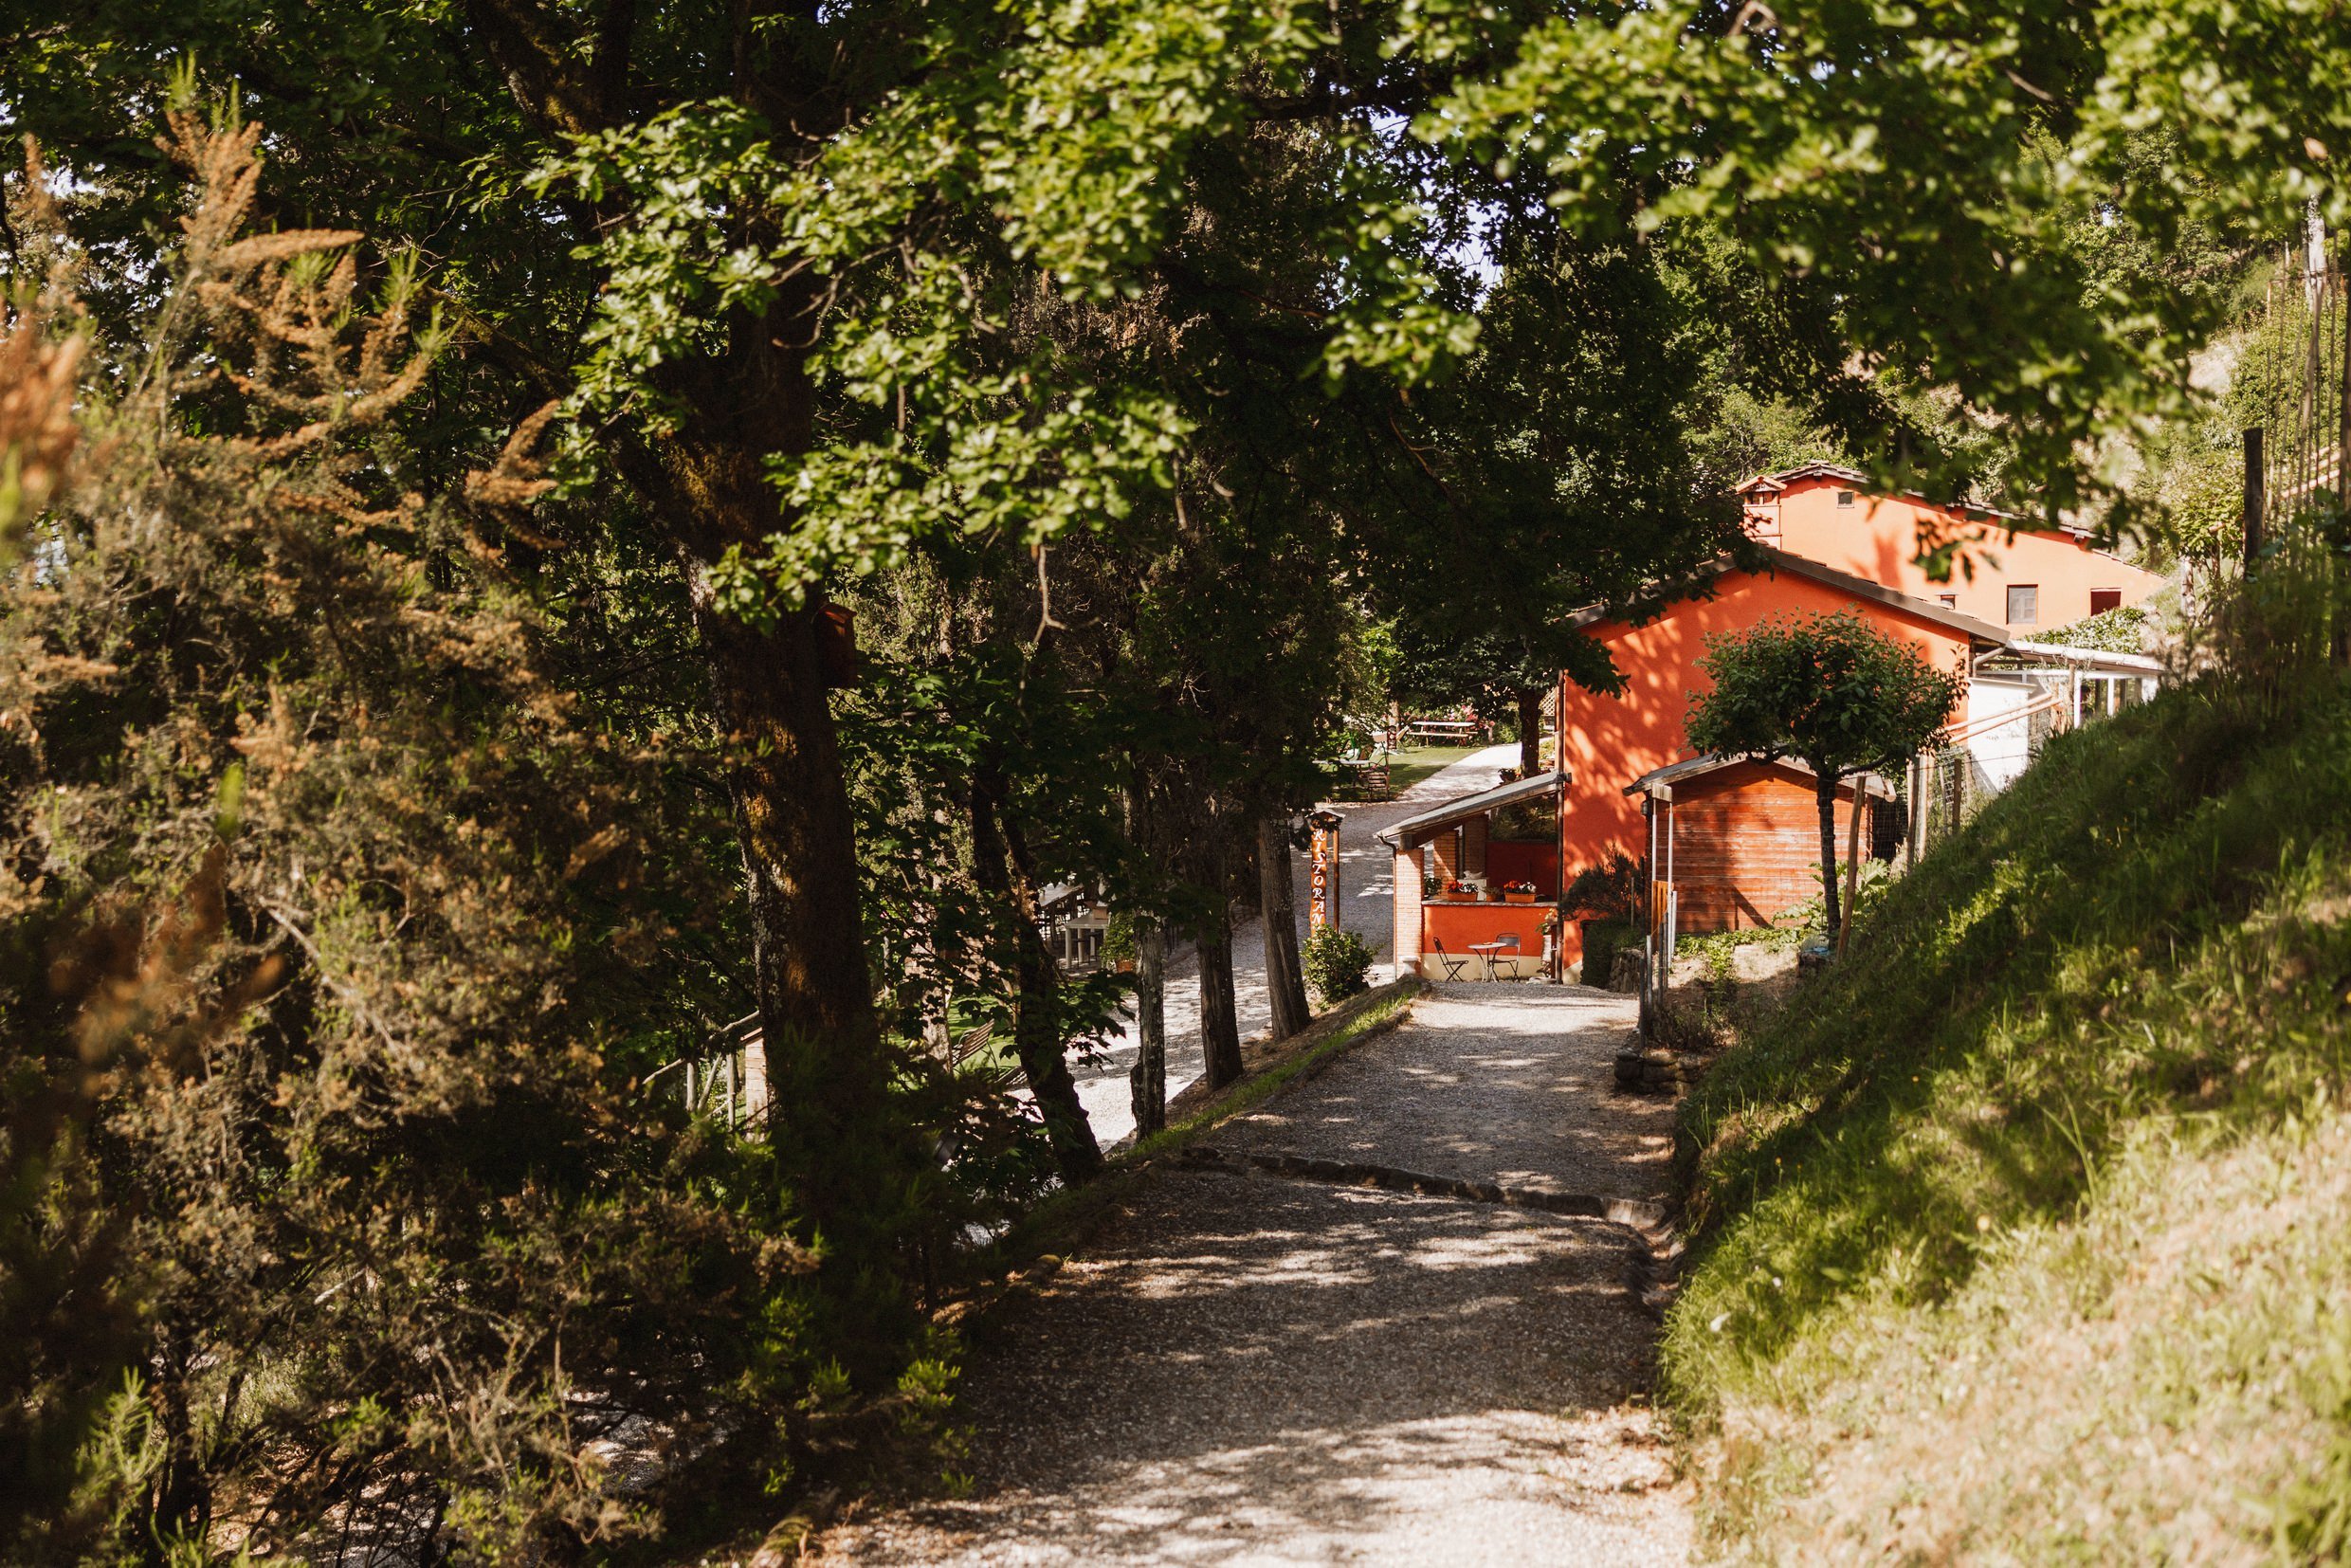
[[2015, 1235], [1406, 769]]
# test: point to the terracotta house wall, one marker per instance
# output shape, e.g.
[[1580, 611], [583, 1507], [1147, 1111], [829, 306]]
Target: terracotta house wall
[[1877, 535], [1746, 846], [1607, 742]]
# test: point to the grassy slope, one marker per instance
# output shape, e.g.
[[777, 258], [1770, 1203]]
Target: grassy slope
[[2028, 1234]]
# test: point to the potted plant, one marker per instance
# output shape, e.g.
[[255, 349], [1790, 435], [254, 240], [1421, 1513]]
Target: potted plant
[[1461, 890], [1519, 892]]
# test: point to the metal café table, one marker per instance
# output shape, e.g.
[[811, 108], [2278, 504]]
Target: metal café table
[[1490, 951]]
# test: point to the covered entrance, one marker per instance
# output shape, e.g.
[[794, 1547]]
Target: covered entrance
[[1477, 883]]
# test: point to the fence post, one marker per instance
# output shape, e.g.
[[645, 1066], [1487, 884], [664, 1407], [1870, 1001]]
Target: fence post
[[2254, 499]]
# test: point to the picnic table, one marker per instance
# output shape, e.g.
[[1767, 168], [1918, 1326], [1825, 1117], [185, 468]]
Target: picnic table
[[1443, 729]]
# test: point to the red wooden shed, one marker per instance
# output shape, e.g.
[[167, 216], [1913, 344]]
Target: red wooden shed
[[1740, 840]]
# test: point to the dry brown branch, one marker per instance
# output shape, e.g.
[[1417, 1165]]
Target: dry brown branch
[[517, 479]]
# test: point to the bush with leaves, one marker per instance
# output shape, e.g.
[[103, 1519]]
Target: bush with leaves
[[1611, 892], [1338, 964], [337, 1215]]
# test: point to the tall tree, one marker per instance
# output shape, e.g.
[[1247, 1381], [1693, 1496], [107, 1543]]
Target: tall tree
[[1556, 469], [1277, 905], [776, 262], [1910, 193]]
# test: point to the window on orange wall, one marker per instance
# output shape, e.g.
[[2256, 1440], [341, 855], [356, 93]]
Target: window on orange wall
[[2024, 604], [2103, 599], [1844, 498]]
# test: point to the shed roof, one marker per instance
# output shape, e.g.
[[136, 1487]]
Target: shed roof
[[1661, 781], [1861, 588], [1413, 829]]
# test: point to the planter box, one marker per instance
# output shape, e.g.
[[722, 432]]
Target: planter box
[[1519, 898]]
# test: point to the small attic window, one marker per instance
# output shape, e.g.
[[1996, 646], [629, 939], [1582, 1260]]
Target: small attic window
[[2103, 599], [1844, 498]]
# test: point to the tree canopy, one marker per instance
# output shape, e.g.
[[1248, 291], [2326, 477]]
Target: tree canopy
[[444, 443], [1831, 691]]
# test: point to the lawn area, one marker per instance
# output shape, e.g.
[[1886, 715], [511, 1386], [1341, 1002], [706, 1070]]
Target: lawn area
[[1408, 768]]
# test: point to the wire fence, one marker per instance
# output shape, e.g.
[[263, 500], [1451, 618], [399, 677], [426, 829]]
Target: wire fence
[[2299, 371]]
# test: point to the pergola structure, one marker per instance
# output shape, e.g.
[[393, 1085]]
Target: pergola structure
[[1453, 919]]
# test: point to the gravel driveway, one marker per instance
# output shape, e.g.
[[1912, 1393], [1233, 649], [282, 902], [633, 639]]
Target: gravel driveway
[[1509, 1084], [1366, 906], [1249, 1369]]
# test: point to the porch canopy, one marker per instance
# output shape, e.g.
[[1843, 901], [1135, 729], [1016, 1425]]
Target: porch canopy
[[1425, 826], [1455, 915]]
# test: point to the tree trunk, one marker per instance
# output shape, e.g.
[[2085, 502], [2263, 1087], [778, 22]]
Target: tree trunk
[[1220, 1027], [1277, 903], [746, 403], [826, 1082], [1826, 792], [1001, 865], [1530, 731], [1148, 1078]]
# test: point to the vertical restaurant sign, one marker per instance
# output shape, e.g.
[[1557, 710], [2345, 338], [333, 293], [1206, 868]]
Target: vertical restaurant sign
[[1322, 907]]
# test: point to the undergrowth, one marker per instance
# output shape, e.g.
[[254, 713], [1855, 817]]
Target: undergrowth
[[2015, 1233]]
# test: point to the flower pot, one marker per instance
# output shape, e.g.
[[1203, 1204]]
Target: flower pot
[[1519, 898]]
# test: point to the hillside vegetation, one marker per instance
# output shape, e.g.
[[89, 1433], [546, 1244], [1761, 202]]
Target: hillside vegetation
[[2028, 1234]]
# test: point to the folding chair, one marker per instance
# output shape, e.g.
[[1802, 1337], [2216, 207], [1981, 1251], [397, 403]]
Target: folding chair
[[1507, 941], [1452, 966]]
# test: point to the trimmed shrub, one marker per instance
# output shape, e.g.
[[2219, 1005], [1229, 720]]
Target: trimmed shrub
[[1338, 964]]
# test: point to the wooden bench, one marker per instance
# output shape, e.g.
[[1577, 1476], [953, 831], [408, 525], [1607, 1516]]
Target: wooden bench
[[1368, 780]]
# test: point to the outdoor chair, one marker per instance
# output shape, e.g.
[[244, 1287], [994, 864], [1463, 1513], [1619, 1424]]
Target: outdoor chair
[[1507, 941], [1452, 966]]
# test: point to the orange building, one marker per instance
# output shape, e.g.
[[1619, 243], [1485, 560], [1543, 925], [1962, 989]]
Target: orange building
[[2029, 581], [1606, 743]]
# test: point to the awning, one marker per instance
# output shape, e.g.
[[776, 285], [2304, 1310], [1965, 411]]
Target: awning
[[2097, 660], [1660, 781], [1427, 825]]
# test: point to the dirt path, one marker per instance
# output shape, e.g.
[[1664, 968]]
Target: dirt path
[[1251, 1369]]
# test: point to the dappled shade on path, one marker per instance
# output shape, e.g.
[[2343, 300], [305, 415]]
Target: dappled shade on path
[[1251, 1369], [1513, 1084]]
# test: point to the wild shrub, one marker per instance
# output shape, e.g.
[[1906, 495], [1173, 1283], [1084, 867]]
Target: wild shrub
[[334, 1212]]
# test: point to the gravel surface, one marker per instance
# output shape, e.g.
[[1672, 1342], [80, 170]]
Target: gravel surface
[[1366, 906], [1247, 1369], [1512, 1083]]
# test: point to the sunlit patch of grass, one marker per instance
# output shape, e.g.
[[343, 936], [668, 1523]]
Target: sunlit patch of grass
[[2131, 972]]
